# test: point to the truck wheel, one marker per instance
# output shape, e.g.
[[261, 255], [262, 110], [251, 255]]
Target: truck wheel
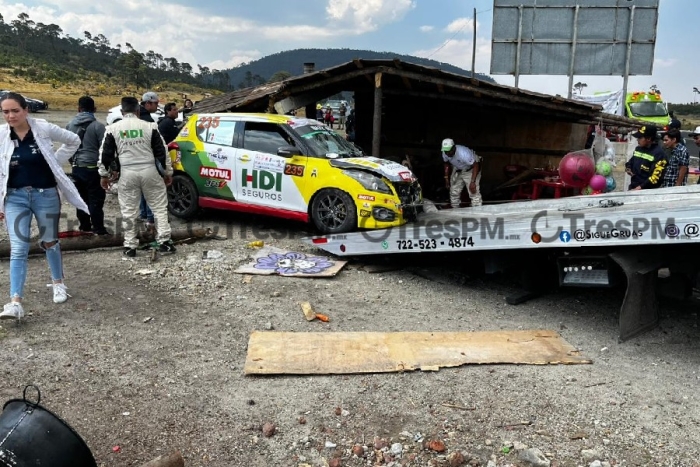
[[333, 211], [183, 197]]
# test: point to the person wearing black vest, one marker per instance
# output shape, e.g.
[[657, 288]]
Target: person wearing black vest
[[85, 175]]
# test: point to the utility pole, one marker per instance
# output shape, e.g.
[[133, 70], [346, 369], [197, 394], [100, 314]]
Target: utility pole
[[474, 44]]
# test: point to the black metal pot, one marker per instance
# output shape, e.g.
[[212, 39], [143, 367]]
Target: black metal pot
[[31, 435]]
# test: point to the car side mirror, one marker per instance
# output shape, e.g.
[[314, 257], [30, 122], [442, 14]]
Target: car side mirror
[[288, 151]]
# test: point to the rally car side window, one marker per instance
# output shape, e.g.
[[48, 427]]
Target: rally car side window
[[265, 137], [220, 133]]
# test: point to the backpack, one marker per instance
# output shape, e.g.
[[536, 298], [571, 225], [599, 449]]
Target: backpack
[[82, 129]]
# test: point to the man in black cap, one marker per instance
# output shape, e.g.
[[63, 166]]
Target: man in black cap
[[647, 165], [85, 175]]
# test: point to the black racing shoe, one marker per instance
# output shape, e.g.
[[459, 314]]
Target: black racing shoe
[[129, 252], [167, 247]]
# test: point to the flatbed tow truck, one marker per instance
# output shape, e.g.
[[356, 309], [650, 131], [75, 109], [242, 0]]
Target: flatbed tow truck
[[592, 241]]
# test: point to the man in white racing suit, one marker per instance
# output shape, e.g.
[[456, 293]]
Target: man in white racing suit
[[134, 151]]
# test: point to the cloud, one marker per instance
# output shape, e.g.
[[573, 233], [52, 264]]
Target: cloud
[[461, 25], [236, 57], [459, 53], [367, 15], [665, 63], [426, 28]]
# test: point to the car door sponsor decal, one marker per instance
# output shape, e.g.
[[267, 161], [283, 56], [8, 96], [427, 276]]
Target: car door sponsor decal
[[218, 156], [216, 173], [294, 170], [261, 184], [210, 183], [366, 197], [268, 163]]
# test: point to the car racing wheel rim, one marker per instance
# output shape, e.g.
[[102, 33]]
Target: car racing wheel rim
[[180, 195], [332, 211]]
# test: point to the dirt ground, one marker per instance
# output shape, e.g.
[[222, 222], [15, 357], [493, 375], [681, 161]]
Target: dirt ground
[[146, 358]]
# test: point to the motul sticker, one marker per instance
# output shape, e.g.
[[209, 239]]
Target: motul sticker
[[214, 172], [407, 176], [366, 197]]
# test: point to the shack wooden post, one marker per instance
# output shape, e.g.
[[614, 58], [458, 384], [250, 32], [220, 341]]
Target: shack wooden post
[[377, 120]]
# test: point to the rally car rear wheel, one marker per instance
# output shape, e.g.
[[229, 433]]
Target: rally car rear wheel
[[183, 198], [333, 211]]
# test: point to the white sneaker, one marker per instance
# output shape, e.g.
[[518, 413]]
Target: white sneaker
[[60, 294], [12, 310]]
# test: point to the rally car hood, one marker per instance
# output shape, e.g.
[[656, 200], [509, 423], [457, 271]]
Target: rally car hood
[[382, 167]]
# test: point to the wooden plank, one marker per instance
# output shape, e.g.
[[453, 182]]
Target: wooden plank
[[308, 353]]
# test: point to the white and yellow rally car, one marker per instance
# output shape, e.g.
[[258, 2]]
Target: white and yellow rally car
[[287, 167]]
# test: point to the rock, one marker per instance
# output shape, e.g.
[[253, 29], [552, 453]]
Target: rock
[[456, 459], [302, 421], [344, 413], [488, 442], [269, 429], [334, 462], [380, 443], [596, 463], [436, 445], [589, 455], [519, 446], [396, 449], [534, 458], [358, 450], [330, 445], [269, 327]]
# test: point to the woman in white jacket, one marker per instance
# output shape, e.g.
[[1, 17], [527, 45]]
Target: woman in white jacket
[[30, 180]]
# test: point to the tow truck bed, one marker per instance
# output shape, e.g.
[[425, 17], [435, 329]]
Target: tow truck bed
[[638, 231], [653, 217]]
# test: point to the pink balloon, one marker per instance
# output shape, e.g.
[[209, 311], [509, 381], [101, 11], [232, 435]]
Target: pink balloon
[[576, 169], [598, 183]]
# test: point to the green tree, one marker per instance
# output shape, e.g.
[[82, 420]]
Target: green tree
[[279, 76]]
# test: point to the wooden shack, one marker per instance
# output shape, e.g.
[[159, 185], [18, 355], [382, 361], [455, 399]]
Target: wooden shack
[[407, 109]]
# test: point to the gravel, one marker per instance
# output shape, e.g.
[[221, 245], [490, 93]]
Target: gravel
[[148, 357]]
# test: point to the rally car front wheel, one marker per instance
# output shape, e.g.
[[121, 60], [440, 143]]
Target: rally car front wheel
[[183, 197], [333, 211]]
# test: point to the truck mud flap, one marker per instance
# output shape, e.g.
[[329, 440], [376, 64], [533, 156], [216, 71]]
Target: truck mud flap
[[640, 310]]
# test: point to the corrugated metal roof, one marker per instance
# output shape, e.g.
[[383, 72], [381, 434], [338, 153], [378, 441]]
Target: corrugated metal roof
[[358, 74]]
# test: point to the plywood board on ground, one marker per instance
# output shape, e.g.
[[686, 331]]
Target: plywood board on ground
[[309, 353]]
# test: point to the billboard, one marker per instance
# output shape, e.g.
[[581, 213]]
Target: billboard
[[574, 37]]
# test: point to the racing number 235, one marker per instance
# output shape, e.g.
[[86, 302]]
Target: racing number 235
[[294, 170], [208, 122]]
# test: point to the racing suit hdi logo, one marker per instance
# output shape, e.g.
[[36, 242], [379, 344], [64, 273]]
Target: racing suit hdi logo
[[261, 179], [131, 133]]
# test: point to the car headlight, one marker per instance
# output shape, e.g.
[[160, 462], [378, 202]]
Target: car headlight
[[368, 181]]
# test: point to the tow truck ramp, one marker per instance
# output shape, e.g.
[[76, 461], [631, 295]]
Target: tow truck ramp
[[638, 231]]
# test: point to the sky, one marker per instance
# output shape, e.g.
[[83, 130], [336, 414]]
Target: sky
[[222, 34]]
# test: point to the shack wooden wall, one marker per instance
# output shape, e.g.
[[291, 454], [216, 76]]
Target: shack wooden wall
[[415, 126]]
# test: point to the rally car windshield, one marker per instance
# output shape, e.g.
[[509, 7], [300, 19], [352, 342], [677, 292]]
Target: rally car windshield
[[648, 109], [323, 142]]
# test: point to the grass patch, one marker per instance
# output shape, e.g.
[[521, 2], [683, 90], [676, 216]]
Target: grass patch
[[106, 95]]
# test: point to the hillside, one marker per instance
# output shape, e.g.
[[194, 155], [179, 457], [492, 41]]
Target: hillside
[[290, 63]]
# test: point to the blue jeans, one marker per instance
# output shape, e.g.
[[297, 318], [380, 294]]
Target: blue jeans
[[45, 206], [146, 212]]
